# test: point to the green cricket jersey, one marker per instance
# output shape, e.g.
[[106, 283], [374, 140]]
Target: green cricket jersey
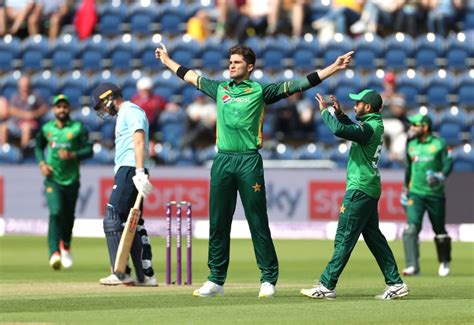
[[364, 155], [432, 154], [72, 137], [240, 109]]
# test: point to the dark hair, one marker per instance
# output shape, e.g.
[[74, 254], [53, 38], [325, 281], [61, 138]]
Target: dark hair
[[246, 52]]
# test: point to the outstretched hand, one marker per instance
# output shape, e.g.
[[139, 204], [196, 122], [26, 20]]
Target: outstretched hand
[[321, 101], [344, 60], [161, 53], [336, 105]]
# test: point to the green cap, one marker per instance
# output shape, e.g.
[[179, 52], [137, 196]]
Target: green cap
[[368, 96], [420, 119], [61, 98]]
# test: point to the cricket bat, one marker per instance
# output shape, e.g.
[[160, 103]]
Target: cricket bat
[[128, 235]]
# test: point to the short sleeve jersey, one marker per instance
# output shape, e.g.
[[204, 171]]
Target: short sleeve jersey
[[130, 119]]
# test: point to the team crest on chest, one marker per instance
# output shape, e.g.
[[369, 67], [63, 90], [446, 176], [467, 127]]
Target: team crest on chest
[[226, 98], [69, 135]]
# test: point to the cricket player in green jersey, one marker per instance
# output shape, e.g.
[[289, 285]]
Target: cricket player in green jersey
[[67, 143], [428, 163], [358, 213], [238, 166]]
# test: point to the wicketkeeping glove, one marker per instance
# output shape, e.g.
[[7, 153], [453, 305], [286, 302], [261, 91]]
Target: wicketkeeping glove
[[434, 179], [142, 183]]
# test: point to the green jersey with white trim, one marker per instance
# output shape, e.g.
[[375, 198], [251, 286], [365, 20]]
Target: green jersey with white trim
[[367, 141], [431, 154], [73, 136], [241, 109]]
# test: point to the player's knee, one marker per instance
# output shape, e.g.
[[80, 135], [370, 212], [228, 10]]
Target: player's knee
[[410, 231], [112, 221]]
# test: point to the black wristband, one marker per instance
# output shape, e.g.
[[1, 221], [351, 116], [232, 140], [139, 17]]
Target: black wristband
[[181, 72], [313, 79]]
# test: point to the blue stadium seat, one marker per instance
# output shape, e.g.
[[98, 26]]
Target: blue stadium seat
[[34, 50], [375, 82], [64, 53], [463, 159], [465, 89], [173, 127], [206, 154], [255, 43], [369, 49], [107, 130], [339, 157], [439, 86], [325, 88], [266, 154], [451, 133], [167, 85], [339, 45], [122, 52], [455, 116], [284, 152], [101, 156], [324, 134], [46, 84], [304, 55], [274, 52], [9, 85], [142, 18], [165, 154], [309, 152], [345, 83], [468, 23], [129, 86], [111, 17], [172, 19], [460, 50], [188, 93], [184, 51], [146, 54], [75, 85], [10, 49], [398, 48], [428, 50], [411, 85], [93, 52], [186, 157], [213, 55], [10, 154], [87, 115]]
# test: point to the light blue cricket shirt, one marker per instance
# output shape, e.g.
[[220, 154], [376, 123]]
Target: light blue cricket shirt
[[130, 118]]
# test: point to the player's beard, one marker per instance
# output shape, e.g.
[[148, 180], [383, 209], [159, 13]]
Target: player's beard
[[63, 117]]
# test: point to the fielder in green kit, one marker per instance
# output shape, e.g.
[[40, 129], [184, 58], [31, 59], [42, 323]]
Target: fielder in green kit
[[359, 212], [238, 166], [427, 165], [67, 143]]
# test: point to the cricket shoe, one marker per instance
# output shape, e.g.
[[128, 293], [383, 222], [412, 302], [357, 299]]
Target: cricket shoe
[[113, 280], [66, 256], [394, 292], [209, 289], [410, 271], [55, 261], [267, 290], [444, 269], [319, 291], [149, 281]]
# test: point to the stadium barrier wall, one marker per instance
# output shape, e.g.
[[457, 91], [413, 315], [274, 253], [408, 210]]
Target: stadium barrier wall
[[302, 203]]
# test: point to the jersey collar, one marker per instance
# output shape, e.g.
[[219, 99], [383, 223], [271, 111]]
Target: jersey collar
[[246, 82]]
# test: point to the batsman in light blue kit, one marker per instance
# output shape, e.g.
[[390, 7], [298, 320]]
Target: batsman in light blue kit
[[131, 178]]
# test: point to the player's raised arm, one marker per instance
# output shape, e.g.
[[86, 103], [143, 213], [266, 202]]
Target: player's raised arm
[[341, 63], [184, 73]]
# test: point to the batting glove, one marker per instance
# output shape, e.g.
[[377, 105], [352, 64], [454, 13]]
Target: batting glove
[[142, 183], [434, 179]]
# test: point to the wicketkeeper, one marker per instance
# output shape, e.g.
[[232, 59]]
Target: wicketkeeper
[[428, 163]]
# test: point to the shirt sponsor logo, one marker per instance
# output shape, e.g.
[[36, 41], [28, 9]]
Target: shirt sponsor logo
[[226, 99]]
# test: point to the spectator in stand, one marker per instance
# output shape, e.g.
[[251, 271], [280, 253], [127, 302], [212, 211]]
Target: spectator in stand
[[15, 11], [199, 26], [343, 14], [50, 13], [442, 14], [258, 17], [395, 118], [407, 19], [202, 123], [26, 109], [228, 14], [3, 120], [152, 104], [295, 11], [374, 14], [305, 110]]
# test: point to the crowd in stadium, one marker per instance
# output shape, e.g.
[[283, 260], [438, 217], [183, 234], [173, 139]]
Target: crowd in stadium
[[418, 54]]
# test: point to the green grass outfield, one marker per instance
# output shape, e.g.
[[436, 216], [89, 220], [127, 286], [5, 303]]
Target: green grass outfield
[[32, 292]]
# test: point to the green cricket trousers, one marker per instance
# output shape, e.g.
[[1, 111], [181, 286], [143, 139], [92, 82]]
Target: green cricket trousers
[[358, 215], [241, 172], [62, 204]]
